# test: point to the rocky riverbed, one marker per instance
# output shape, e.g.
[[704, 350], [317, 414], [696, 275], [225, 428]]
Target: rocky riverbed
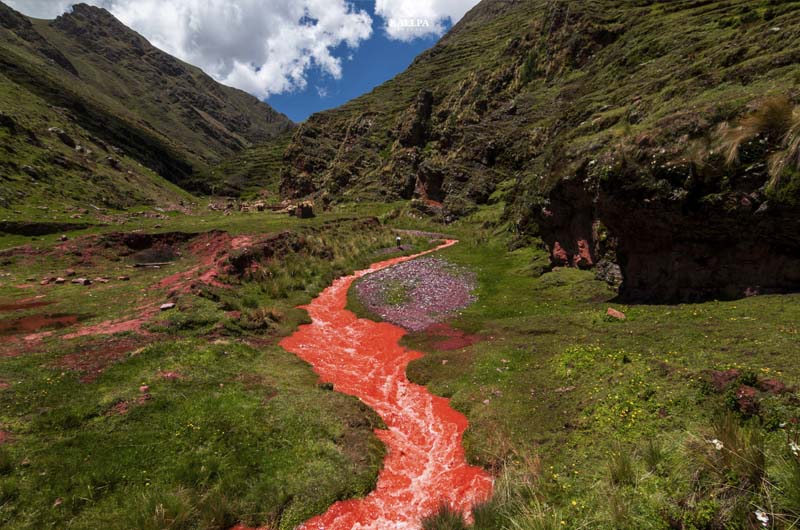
[[418, 293]]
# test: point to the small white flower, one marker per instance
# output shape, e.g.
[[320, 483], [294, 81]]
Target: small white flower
[[763, 518], [717, 444], [795, 448]]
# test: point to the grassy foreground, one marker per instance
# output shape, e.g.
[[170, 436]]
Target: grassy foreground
[[673, 418], [198, 419], [676, 417]]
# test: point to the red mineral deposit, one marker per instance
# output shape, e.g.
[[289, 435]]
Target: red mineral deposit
[[425, 465]]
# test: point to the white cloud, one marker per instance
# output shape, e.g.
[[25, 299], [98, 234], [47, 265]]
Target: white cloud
[[407, 20], [261, 46], [266, 46]]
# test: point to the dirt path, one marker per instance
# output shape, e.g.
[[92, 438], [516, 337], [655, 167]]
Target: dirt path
[[425, 465]]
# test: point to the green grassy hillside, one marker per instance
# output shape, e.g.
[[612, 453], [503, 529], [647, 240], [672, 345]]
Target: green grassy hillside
[[117, 96], [606, 121]]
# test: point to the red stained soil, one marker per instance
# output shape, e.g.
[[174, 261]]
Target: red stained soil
[[123, 407], [19, 305], [425, 465], [450, 337], [169, 376], [92, 359], [5, 437], [34, 323], [111, 327], [212, 249]]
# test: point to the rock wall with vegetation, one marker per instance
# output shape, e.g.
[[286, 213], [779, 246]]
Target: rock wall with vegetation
[[659, 137]]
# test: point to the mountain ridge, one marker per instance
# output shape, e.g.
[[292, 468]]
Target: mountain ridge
[[115, 90]]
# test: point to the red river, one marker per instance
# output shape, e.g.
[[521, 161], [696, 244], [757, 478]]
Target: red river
[[425, 465]]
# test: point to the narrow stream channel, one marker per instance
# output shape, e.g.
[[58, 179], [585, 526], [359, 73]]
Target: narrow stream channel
[[425, 465]]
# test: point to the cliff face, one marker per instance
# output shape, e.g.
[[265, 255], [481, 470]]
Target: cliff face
[[612, 122]]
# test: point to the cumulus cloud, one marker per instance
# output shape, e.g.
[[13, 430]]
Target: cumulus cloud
[[266, 46], [263, 47], [407, 20]]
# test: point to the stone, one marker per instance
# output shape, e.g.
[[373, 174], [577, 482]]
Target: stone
[[63, 136], [304, 210], [613, 313], [123, 278], [167, 306], [63, 238], [101, 280], [82, 281], [144, 389], [69, 273], [59, 281], [44, 282]]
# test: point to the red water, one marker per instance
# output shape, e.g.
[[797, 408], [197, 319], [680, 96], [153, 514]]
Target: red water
[[425, 465]]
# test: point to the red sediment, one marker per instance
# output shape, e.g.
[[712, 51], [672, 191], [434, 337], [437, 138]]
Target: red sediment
[[5, 437], [111, 327], [426, 464], [28, 303], [450, 337], [92, 359], [33, 323], [213, 250]]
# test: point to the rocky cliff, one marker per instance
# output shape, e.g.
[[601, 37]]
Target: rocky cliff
[[639, 136]]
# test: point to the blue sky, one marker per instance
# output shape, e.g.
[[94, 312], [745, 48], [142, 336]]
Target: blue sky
[[376, 60]]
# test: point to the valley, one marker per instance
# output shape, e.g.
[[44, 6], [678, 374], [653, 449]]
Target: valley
[[547, 277]]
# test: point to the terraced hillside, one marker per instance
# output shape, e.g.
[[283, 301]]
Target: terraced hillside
[[606, 121], [114, 96]]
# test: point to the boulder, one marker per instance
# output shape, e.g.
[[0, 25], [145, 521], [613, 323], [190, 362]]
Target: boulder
[[613, 313], [82, 281], [63, 136], [167, 306], [304, 210]]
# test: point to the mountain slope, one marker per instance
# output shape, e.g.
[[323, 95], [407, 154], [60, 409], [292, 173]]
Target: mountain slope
[[110, 84], [606, 120]]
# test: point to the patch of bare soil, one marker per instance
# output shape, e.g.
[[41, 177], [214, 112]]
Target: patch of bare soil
[[447, 338], [94, 358], [33, 323]]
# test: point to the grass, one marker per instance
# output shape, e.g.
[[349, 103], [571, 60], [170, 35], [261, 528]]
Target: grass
[[586, 420], [605, 424], [243, 432]]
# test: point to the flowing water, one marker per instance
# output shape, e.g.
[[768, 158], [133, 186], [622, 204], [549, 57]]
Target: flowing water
[[425, 465]]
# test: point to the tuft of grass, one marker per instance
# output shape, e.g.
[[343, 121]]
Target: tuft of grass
[[654, 456], [163, 509], [445, 518], [769, 122], [620, 467]]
